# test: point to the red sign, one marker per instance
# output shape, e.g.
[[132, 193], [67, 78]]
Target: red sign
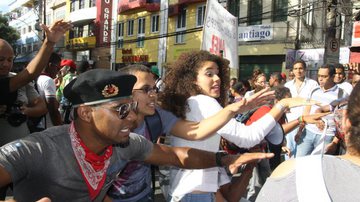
[[103, 21], [356, 34]]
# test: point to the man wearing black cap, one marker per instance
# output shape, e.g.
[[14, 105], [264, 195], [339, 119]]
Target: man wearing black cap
[[79, 161]]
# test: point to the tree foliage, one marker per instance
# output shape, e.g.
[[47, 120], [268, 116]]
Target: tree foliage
[[8, 33]]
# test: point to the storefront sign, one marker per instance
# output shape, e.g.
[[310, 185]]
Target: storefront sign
[[255, 33], [103, 20], [220, 33], [128, 57]]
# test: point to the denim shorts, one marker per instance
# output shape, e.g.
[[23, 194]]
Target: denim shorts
[[201, 197]]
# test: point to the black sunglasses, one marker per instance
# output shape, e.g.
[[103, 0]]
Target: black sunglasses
[[124, 109]]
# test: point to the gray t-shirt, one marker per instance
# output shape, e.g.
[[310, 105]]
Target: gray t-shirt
[[43, 164], [341, 179]]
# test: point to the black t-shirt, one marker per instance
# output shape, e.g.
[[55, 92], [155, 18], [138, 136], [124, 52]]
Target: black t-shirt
[[7, 97]]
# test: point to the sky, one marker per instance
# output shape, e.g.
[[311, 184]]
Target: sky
[[4, 5]]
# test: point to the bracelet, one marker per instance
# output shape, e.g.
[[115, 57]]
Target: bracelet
[[280, 107], [301, 120]]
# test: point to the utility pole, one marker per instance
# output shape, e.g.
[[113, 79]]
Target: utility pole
[[164, 6], [332, 43]]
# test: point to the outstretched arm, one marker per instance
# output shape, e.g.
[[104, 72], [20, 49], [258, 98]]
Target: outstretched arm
[[35, 67], [312, 119], [190, 158], [200, 130]]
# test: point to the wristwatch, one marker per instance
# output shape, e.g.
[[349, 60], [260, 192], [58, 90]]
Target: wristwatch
[[218, 157]]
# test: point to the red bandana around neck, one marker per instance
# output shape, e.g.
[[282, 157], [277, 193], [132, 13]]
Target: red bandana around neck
[[92, 166]]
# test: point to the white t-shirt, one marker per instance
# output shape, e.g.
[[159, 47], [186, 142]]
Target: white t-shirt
[[305, 89], [346, 86], [185, 181], [47, 89], [325, 97]]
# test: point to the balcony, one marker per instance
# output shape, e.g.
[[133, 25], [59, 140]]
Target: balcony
[[83, 15], [147, 5]]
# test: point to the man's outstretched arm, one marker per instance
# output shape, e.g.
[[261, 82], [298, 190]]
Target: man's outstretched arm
[[190, 158]]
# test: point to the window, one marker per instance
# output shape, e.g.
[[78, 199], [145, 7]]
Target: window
[[141, 26], [121, 29], [309, 14], [91, 29], [255, 12], [80, 31], [200, 15], [280, 10], [81, 4], [30, 28], [155, 23], [121, 35], [141, 33], [180, 27], [130, 28], [72, 5]]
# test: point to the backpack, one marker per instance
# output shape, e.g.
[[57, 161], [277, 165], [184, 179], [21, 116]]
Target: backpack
[[155, 127]]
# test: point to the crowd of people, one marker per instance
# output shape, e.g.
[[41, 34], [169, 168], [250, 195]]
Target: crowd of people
[[72, 133]]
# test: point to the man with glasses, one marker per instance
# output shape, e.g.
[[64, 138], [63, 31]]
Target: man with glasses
[[134, 183], [79, 161]]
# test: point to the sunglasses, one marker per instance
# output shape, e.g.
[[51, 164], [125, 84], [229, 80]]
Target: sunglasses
[[148, 90], [124, 109]]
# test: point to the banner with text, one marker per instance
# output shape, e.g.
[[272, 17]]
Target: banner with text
[[220, 33], [255, 33]]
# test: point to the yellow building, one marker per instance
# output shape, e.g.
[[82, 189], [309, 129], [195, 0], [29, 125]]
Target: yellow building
[[139, 30]]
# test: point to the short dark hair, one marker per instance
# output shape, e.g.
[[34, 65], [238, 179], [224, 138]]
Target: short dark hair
[[331, 69], [301, 62], [238, 87], [132, 69], [340, 66], [277, 75], [54, 58]]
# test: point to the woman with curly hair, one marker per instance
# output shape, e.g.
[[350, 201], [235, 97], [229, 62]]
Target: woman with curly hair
[[196, 88]]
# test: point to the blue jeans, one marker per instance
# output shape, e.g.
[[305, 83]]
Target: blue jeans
[[203, 197], [290, 142], [308, 141]]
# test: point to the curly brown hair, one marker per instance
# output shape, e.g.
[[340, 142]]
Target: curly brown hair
[[181, 77]]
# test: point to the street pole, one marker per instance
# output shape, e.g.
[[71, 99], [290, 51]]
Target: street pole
[[164, 5], [332, 43], [113, 35]]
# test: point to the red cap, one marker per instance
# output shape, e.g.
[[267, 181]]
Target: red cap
[[69, 63], [283, 75]]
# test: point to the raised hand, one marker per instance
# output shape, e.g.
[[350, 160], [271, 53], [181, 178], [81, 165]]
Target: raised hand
[[56, 31], [260, 98]]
